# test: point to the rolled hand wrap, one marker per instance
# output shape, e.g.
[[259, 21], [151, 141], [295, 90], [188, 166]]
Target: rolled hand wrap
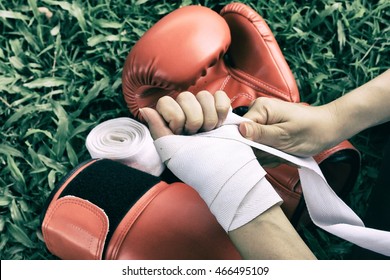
[[127, 141]]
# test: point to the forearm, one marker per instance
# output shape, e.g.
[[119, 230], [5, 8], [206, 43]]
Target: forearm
[[364, 107], [270, 236]]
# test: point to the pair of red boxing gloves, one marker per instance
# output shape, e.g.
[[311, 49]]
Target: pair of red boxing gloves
[[106, 210]]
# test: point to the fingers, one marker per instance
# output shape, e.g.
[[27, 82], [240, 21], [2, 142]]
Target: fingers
[[267, 114], [215, 108], [157, 125], [210, 116], [265, 110], [190, 113], [269, 117], [192, 110], [172, 113], [293, 128], [257, 111], [222, 106]]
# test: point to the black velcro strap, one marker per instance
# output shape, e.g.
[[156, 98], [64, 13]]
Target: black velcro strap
[[112, 186]]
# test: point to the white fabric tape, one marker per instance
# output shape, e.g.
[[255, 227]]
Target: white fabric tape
[[224, 179], [127, 141]]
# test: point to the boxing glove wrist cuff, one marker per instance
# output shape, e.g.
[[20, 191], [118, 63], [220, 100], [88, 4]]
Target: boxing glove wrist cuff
[[87, 208], [105, 209]]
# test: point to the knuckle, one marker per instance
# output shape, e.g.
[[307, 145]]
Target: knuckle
[[179, 119], [261, 102], [203, 94], [164, 102], [222, 101], [222, 107], [184, 96]]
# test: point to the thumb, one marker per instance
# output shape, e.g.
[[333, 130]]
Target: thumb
[[157, 126], [264, 134]]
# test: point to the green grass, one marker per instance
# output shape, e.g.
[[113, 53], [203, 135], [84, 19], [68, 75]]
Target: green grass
[[61, 76]]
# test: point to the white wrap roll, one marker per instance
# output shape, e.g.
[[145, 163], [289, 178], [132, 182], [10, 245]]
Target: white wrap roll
[[127, 141]]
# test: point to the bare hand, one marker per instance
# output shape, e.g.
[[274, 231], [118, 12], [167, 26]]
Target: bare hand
[[294, 128]]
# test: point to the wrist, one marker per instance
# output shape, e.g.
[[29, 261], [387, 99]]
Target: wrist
[[337, 128]]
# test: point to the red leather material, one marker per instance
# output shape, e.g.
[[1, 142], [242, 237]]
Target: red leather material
[[285, 180], [75, 229], [255, 55], [345, 145], [234, 51], [170, 222], [63, 227], [154, 69]]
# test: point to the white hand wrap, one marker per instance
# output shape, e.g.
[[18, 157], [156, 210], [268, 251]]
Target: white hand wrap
[[225, 173]]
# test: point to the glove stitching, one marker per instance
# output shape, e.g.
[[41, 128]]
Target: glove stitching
[[245, 94], [97, 254], [255, 81], [225, 82]]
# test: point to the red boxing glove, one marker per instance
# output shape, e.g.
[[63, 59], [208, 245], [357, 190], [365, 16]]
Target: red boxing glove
[[185, 51], [106, 210], [194, 48]]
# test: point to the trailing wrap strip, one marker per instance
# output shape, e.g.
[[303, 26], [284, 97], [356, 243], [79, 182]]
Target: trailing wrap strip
[[326, 209], [127, 141]]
